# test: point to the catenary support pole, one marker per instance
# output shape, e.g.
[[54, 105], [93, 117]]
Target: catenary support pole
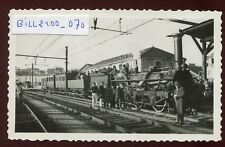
[[32, 75], [66, 68]]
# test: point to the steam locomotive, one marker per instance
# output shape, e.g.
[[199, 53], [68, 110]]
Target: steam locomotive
[[146, 88]]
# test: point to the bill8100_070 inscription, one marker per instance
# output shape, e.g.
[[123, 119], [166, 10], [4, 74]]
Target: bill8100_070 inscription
[[41, 23]]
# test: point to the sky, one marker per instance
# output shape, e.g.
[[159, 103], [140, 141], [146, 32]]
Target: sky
[[83, 49]]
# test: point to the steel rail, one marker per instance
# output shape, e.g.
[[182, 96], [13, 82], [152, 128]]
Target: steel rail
[[36, 118]]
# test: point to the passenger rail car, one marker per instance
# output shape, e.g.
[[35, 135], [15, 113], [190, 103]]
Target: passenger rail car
[[58, 82], [48, 82]]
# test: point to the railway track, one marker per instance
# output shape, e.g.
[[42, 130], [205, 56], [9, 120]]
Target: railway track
[[26, 120], [55, 119], [119, 123], [122, 119]]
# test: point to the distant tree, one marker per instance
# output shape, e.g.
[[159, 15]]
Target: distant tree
[[42, 72], [22, 72], [73, 73], [59, 70], [50, 71]]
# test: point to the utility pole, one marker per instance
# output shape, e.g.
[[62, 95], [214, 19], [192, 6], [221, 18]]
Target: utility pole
[[32, 75], [120, 23], [48, 57], [66, 67]]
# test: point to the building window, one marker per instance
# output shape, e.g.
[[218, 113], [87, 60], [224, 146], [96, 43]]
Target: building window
[[158, 64], [212, 61]]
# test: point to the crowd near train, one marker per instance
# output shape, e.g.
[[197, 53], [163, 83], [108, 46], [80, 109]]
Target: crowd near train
[[122, 88]]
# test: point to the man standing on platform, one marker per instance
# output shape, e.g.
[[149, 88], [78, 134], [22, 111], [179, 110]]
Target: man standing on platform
[[94, 91], [111, 96], [179, 95], [102, 94], [120, 95], [19, 93]]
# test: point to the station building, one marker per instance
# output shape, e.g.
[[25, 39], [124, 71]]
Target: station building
[[143, 60]]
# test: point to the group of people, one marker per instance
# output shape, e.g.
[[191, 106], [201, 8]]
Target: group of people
[[112, 97]]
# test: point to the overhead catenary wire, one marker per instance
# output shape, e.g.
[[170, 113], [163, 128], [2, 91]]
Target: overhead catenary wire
[[93, 35], [89, 38], [111, 38], [40, 44], [50, 44]]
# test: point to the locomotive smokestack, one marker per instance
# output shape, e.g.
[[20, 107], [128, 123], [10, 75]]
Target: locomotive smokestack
[[178, 54]]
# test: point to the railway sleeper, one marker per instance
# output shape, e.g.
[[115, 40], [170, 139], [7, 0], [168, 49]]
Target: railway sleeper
[[101, 117]]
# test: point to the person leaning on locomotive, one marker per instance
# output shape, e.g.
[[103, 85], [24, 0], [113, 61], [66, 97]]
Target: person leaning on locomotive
[[184, 83]]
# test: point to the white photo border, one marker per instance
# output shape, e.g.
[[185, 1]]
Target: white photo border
[[179, 14]]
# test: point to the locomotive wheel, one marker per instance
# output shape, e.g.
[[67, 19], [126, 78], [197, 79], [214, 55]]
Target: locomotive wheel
[[160, 104]]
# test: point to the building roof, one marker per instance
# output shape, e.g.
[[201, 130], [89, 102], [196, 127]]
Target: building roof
[[148, 52], [113, 60], [156, 52], [85, 66]]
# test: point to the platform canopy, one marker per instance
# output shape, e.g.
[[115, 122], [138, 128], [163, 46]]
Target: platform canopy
[[202, 31]]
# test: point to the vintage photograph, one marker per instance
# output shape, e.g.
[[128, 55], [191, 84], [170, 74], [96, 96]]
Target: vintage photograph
[[137, 74]]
